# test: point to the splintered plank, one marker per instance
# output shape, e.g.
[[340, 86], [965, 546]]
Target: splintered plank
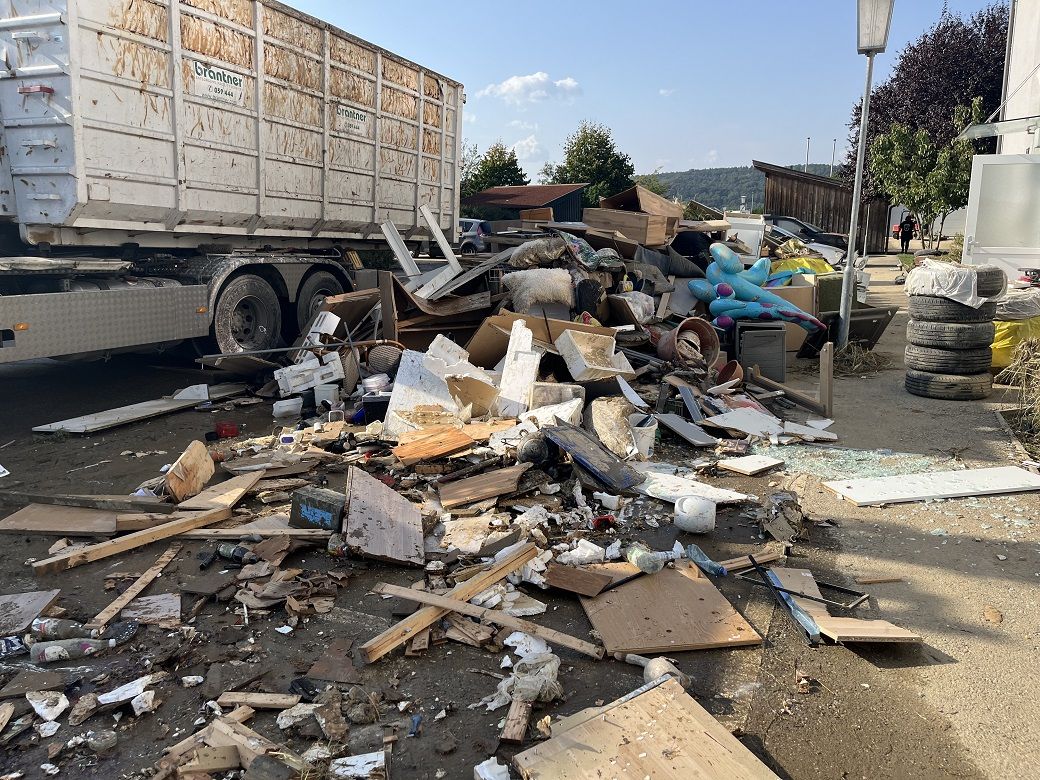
[[258, 701], [18, 610], [114, 503], [135, 589], [380, 523], [584, 582], [839, 629], [436, 444], [190, 472], [662, 733], [489, 485], [935, 485], [225, 495], [96, 552], [60, 521], [744, 561], [671, 611]]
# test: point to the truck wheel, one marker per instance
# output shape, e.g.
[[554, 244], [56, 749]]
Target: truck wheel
[[949, 387], [313, 292], [248, 315], [950, 335], [932, 308], [948, 361]]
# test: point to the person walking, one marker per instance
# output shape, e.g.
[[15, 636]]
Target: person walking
[[907, 228]]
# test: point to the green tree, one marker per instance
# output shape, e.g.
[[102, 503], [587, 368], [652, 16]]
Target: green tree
[[653, 182], [930, 179], [468, 163], [497, 167], [591, 156]]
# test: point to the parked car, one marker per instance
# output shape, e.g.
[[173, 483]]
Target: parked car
[[808, 232], [472, 239], [831, 254]]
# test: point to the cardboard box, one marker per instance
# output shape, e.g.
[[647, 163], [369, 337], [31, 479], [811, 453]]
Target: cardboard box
[[802, 293], [489, 343]]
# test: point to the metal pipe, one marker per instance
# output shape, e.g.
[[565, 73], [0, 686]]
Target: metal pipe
[[834, 149], [848, 284]]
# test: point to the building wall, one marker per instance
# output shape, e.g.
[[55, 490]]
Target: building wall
[[1023, 57]]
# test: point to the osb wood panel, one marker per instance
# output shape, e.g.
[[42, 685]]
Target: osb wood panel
[[292, 30], [397, 133], [281, 63], [432, 87], [237, 11], [142, 18], [352, 87], [431, 142], [292, 105], [222, 43], [399, 103], [399, 73], [353, 55], [432, 114], [132, 60]]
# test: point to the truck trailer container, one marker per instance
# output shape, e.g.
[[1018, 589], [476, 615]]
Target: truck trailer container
[[191, 168]]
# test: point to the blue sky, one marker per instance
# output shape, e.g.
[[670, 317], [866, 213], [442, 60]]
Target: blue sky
[[681, 84]]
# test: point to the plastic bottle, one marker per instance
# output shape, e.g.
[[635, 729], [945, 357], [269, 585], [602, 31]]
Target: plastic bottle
[[644, 559], [68, 649], [236, 553], [47, 629], [706, 564]]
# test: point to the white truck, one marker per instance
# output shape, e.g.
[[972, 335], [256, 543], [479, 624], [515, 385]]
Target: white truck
[[183, 169]]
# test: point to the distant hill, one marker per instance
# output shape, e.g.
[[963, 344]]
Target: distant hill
[[723, 187]]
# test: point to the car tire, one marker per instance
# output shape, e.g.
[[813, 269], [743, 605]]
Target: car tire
[[248, 315], [948, 361], [950, 335], [989, 281], [313, 292], [932, 308], [949, 387]]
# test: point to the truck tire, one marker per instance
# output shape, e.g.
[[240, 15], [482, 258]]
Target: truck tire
[[948, 361], [248, 315], [949, 387], [313, 292], [950, 335], [932, 308], [989, 281]]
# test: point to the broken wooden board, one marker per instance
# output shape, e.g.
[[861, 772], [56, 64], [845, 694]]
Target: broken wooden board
[[113, 503], [335, 664], [838, 629], [139, 521], [30, 680], [258, 701], [135, 589], [584, 582], [60, 521], [489, 485], [750, 465], [876, 491], [671, 611], [662, 733], [437, 444], [99, 421], [190, 472], [225, 495], [693, 434], [163, 609], [380, 523], [96, 552], [19, 610], [744, 561], [592, 456]]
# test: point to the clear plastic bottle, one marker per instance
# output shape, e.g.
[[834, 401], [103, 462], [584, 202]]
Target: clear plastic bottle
[[644, 559]]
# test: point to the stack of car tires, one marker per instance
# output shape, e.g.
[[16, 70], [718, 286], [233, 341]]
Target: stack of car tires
[[948, 353]]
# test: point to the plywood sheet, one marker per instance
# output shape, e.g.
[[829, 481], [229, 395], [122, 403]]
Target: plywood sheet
[[489, 485], [839, 629], [436, 444], [18, 610], [904, 488], [662, 733], [584, 582], [60, 520], [380, 523], [673, 610]]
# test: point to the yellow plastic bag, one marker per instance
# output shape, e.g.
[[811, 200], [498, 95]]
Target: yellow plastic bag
[[816, 264], [1008, 335]]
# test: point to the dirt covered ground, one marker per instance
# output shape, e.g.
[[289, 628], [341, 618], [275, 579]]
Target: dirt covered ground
[[961, 705]]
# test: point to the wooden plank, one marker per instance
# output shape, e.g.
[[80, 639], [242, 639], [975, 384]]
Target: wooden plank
[[19, 610], [666, 298], [258, 701], [224, 495], [437, 444], [60, 521], [335, 664], [827, 378], [96, 552], [584, 582], [6, 713], [138, 521], [515, 728], [494, 483], [113, 503], [99, 421], [208, 534], [754, 376], [495, 616], [750, 465], [671, 611], [744, 562], [208, 759], [382, 644], [190, 472], [872, 491], [239, 715], [878, 580], [838, 629], [380, 523], [136, 588], [662, 733]]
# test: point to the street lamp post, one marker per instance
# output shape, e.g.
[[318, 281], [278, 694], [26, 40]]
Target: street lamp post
[[874, 19]]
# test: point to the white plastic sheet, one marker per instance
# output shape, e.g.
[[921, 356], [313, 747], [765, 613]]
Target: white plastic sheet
[[948, 280]]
